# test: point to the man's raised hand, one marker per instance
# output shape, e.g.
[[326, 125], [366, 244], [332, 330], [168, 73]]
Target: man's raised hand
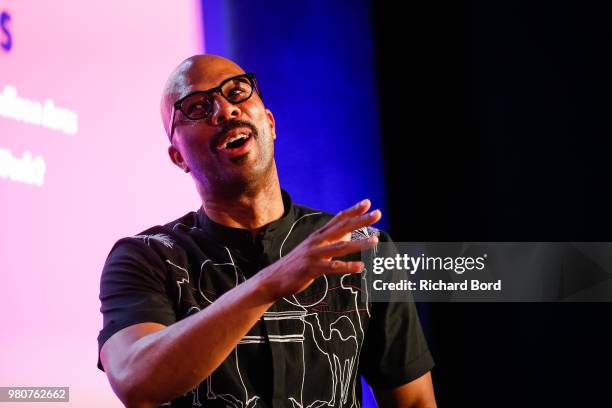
[[313, 257]]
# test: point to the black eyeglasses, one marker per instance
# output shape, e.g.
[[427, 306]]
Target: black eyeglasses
[[198, 105]]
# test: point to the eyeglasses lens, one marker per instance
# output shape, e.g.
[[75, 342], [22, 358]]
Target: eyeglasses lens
[[197, 106], [237, 90]]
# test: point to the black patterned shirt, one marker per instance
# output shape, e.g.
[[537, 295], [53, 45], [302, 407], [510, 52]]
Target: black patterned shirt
[[308, 350]]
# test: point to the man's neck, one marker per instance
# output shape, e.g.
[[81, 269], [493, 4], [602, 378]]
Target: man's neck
[[250, 211]]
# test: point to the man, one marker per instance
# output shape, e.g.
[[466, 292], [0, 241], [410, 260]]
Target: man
[[245, 303]]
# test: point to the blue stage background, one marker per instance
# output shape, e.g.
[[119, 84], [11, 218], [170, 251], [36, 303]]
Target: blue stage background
[[314, 61]]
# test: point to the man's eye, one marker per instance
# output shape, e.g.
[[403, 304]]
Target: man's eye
[[196, 109], [234, 92]]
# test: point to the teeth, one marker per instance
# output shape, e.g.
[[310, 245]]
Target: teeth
[[233, 138]]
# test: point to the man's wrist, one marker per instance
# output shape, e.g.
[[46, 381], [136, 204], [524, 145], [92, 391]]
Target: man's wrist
[[262, 287]]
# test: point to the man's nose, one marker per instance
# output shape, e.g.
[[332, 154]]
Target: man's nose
[[223, 110]]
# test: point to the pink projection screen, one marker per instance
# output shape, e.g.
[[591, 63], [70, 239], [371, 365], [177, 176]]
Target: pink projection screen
[[83, 162]]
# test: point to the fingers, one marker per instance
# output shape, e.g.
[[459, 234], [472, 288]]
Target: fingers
[[356, 210], [336, 267], [337, 231], [342, 248], [347, 221]]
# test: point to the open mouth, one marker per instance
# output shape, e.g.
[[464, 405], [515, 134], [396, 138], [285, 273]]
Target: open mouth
[[236, 142], [235, 139]]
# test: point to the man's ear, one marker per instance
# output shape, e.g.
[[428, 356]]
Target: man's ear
[[177, 158], [270, 117]]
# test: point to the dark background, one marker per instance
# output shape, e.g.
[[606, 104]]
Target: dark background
[[495, 120]]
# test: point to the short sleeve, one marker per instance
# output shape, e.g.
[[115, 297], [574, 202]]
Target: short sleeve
[[133, 289], [394, 351]]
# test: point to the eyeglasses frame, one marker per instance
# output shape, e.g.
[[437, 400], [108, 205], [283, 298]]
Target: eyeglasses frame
[[177, 105]]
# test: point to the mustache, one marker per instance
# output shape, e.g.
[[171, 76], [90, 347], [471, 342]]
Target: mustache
[[230, 125]]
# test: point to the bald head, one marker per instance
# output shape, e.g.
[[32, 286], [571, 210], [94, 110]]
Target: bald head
[[199, 72]]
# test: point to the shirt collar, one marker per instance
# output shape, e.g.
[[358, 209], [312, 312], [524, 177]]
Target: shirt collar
[[239, 237]]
